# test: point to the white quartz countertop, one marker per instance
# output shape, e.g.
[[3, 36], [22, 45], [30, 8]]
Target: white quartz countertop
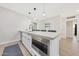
[[46, 35]]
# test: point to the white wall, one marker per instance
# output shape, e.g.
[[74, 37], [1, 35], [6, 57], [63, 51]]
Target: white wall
[[63, 27], [10, 23]]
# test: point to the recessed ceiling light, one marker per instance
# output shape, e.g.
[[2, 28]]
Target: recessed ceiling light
[[44, 14], [29, 12]]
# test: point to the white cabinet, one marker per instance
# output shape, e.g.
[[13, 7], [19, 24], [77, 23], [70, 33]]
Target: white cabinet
[[26, 39], [27, 42]]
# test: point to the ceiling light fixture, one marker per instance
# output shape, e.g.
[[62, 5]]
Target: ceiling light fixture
[[44, 13], [29, 12], [35, 14], [34, 9]]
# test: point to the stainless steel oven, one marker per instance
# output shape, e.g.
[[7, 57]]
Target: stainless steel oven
[[40, 46]]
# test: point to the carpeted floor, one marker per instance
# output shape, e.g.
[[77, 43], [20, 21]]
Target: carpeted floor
[[13, 50]]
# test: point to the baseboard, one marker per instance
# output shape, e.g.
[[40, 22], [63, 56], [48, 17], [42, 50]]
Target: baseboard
[[9, 42]]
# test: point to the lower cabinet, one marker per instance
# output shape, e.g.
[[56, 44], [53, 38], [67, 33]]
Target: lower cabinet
[[26, 39], [27, 42]]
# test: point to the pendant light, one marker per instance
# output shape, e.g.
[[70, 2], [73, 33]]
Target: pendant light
[[44, 13], [35, 10]]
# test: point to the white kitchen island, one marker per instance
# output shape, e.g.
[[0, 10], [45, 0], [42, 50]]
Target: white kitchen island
[[52, 37]]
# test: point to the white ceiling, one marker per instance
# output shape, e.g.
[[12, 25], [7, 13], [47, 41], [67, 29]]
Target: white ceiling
[[52, 9]]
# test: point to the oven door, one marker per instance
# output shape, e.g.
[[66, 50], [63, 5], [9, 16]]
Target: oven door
[[40, 47]]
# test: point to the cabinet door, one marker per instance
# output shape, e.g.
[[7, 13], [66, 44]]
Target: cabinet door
[[27, 40]]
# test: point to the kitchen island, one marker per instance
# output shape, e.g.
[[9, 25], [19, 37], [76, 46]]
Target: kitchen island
[[52, 38]]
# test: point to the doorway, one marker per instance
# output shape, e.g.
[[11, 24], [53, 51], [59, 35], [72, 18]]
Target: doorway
[[69, 29], [75, 31]]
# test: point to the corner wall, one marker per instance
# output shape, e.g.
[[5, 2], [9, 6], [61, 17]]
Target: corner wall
[[10, 23]]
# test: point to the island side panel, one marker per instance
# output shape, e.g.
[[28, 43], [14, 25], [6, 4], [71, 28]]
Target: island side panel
[[53, 47]]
